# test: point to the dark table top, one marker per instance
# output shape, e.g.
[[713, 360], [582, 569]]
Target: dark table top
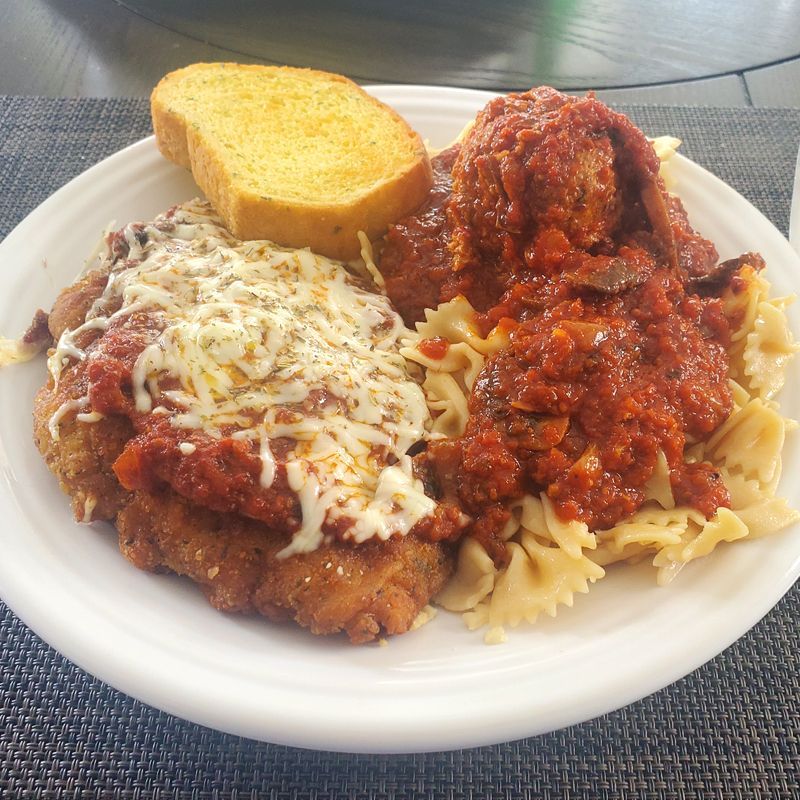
[[718, 52], [511, 44], [731, 729]]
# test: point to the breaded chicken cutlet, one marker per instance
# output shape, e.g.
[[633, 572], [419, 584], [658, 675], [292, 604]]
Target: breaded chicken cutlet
[[192, 497]]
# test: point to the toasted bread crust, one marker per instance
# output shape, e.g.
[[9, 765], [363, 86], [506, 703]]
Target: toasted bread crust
[[327, 224]]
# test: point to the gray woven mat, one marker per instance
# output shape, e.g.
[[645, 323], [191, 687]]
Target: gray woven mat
[[729, 730]]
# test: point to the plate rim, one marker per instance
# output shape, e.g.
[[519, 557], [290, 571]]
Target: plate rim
[[404, 739]]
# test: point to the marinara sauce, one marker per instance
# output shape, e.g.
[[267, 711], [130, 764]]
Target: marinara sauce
[[551, 213]]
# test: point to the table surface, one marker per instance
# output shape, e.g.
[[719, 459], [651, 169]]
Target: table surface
[[717, 52]]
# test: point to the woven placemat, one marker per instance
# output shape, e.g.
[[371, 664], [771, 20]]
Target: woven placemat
[[730, 730]]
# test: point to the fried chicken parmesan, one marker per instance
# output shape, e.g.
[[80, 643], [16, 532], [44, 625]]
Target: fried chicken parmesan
[[242, 414]]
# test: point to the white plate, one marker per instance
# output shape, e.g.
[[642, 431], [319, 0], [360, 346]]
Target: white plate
[[156, 638]]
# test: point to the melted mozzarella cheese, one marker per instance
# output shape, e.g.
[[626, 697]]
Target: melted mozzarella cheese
[[276, 343], [67, 407], [16, 351]]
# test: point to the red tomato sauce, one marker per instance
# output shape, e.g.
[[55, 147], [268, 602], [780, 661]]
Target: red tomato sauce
[[551, 213], [218, 471], [435, 347]]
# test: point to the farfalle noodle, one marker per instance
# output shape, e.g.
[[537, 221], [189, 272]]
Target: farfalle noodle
[[550, 559]]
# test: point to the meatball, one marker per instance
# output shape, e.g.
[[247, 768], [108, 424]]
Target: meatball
[[543, 160]]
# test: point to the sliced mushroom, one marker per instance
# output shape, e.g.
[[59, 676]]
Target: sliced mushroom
[[721, 274], [541, 430], [604, 275], [655, 205]]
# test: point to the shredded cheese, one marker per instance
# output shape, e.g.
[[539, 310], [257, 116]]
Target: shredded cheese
[[15, 351], [89, 505], [274, 343], [67, 407]]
